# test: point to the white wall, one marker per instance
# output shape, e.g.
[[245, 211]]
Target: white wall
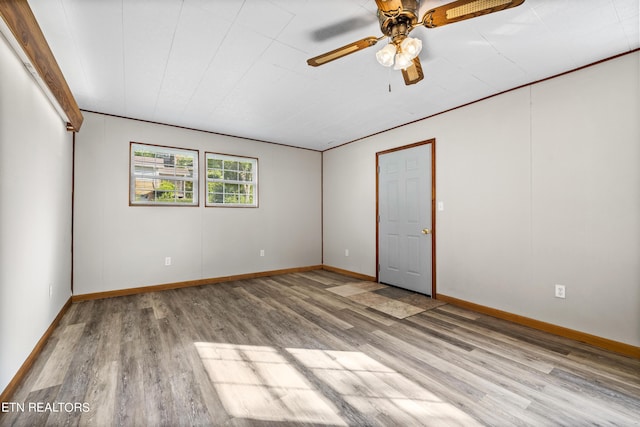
[[35, 213], [118, 247], [541, 185]]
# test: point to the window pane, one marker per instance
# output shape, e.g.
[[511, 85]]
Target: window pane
[[245, 176], [214, 163], [184, 161], [144, 153], [144, 170], [230, 165], [231, 181], [230, 175], [144, 189], [214, 173], [163, 175], [231, 188], [164, 196]]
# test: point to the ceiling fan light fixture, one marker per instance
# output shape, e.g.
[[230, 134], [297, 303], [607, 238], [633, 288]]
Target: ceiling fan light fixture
[[386, 54], [411, 46], [403, 60]]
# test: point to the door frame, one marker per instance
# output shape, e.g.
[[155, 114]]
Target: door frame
[[431, 141]]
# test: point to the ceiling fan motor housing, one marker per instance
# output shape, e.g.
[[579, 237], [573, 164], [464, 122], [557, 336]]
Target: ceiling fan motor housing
[[397, 23]]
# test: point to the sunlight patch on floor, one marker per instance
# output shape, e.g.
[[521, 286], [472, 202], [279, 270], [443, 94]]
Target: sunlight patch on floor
[[379, 391], [261, 383], [256, 382]]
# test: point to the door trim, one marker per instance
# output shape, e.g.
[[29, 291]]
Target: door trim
[[431, 141]]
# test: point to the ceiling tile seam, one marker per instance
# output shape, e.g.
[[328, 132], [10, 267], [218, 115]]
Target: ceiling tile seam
[[283, 43], [502, 55], [291, 70], [166, 64], [75, 43], [633, 41], [213, 57], [276, 39], [124, 57], [273, 40], [553, 34], [291, 14], [615, 10]]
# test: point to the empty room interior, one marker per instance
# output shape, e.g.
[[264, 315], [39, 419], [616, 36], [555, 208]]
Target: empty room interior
[[354, 212]]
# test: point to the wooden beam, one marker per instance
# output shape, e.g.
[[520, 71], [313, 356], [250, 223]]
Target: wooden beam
[[22, 23]]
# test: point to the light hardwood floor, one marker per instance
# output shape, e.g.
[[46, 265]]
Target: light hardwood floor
[[310, 349]]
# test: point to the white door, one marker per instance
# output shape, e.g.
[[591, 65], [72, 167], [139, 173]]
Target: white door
[[405, 223]]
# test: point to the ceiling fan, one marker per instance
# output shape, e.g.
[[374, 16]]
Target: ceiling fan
[[398, 18]]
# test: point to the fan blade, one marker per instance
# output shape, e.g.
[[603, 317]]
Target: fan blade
[[465, 9], [389, 5], [413, 73], [343, 51]]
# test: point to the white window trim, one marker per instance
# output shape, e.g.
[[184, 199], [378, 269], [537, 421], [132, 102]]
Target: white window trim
[[133, 146], [231, 157]]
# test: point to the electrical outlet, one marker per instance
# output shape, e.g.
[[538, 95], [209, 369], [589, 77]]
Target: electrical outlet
[[346, 252], [167, 260], [560, 291], [50, 291], [261, 252]]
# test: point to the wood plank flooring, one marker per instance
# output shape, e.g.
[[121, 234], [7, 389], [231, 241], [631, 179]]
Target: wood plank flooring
[[313, 349]]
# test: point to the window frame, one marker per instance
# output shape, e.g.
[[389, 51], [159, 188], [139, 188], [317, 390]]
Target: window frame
[[232, 157], [169, 150]]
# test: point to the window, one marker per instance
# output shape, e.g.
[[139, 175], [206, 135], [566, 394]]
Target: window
[[231, 180], [163, 176]]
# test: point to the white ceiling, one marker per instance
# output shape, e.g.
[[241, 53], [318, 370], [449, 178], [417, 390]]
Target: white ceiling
[[239, 67]]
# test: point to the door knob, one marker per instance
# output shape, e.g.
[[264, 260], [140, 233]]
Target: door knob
[[426, 231]]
